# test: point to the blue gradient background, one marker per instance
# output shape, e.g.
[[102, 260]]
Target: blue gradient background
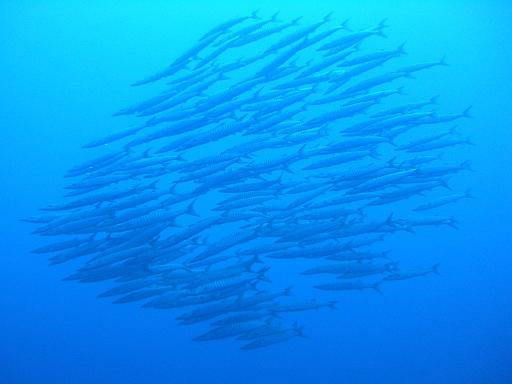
[[66, 66]]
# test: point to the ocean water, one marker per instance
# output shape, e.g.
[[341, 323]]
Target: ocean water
[[68, 65]]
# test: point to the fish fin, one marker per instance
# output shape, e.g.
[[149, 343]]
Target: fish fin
[[191, 209], [433, 100], [435, 268], [400, 50], [273, 19], [466, 165], [222, 76], [328, 17], [468, 194], [468, 141], [453, 130], [240, 297], [121, 112], [172, 189], [392, 162], [386, 253], [399, 91], [344, 25], [146, 153], [442, 61], [270, 319], [333, 304], [348, 246], [264, 278], [445, 184], [376, 286], [360, 211], [299, 331], [296, 21], [452, 222], [467, 112], [323, 131], [389, 220], [254, 286], [374, 153], [409, 228]]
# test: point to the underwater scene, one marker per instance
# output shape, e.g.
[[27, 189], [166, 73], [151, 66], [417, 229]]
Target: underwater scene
[[256, 192]]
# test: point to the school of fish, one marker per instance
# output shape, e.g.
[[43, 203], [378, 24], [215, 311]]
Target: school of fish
[[271, 141]]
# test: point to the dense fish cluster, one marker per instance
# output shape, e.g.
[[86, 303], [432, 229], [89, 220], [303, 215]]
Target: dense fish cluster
[[271, 141]]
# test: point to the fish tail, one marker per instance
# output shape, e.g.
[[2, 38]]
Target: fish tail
[[379, 29]]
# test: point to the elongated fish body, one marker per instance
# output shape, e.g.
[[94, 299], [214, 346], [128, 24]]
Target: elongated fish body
[[229, 330], [338, 159], [242, 32], [226, 25], [385, 180], [443, 170], [302, 306], [406, 108], [55, 247], [438, 144], [340, 268], [356, 285], [225, 243], [373, 56], [326, 63], [368, 84], [443, 201], [273, 338], [426, 140], [297, 35], [405, 275], [354, 38], [265, 31], [242, 317], [264, 330]]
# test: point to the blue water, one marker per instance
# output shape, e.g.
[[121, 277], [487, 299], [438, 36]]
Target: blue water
[[67, 66]]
